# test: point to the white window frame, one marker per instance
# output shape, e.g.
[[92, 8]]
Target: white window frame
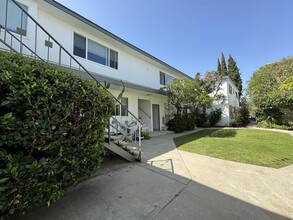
[[165, 78], [22, 30], [108, 59]]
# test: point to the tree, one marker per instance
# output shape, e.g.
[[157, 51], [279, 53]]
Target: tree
[[186, 94], [211, 82], [264, 88], [219, 67], [241, 116], [288, 84], [197, 78], [234, 74], [224, 71]]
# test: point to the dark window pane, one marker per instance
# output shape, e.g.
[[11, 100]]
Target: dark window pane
[[96, 58], [124, 102], [162, 78], [113, 59], [230, 89], [79, 48]]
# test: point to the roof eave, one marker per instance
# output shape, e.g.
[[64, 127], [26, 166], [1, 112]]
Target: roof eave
[[113, 36]]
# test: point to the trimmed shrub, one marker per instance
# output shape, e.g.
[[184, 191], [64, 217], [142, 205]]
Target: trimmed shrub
[[181, 123], [215, 116], [189, 121], [268, 124], [201, 118], [176, 124], [146, 135], [51, 132]]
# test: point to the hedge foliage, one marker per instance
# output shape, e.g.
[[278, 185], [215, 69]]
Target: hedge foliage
[[215, 116], [51, 132], [180, 123]]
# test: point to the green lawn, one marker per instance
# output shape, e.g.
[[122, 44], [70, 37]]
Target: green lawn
[[264, 148]]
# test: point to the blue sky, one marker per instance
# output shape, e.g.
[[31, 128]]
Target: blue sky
[[191, 34]]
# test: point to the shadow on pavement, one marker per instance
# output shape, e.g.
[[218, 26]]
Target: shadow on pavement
[[140, 191]]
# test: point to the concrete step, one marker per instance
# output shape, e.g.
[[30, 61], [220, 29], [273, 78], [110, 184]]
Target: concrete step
[[116, 137], [123, 144], [120, 151]]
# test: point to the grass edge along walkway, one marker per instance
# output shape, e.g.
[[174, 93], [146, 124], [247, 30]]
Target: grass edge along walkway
[[257, 147]]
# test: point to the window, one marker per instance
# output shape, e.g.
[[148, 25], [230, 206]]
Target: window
[[120, 110], [231, 111], [165, 78], [97, 53], [162, 78], [230, 89], [79, 46], [113, 59], [116, 109], [16, 18], [94, 51], [124, 102], [169, 79]]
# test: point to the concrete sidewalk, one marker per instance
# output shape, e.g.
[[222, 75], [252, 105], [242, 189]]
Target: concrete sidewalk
[[169, 184]]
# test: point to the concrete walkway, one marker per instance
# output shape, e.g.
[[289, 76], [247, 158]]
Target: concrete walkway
[[270, 189], [171, 184]]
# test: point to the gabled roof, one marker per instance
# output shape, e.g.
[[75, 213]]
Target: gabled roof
[[111, 35]]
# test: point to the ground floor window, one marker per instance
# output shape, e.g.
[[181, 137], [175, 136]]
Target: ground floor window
[[232, 111], [121, 110]]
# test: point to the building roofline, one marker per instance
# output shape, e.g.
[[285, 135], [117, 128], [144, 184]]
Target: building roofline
[[115, 82], [229, 79], [113, 36]]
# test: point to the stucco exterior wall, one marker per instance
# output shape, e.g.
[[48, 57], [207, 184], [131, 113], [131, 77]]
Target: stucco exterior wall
[[133, 66], [229, 100]]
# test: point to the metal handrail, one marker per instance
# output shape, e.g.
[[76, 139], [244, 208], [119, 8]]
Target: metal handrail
[[61, 48], [2, 41], [144, 112], [72, 57]]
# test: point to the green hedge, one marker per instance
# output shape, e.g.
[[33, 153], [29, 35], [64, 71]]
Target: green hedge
[[180, 123], [215, 116], [51, 132]]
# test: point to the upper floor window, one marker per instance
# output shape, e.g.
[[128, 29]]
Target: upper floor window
[[162, 78], [79, 48], [97, 53], [230, 89], [16, 19], [113, 59], [94, 51], [166, 79]]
